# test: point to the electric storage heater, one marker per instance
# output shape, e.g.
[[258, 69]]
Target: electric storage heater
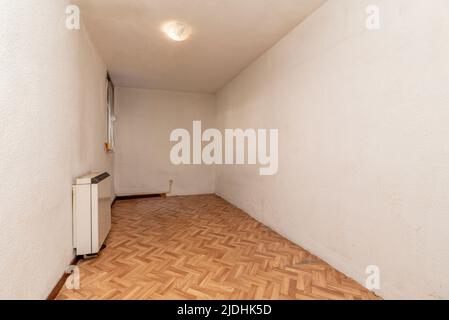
[[92, 199]]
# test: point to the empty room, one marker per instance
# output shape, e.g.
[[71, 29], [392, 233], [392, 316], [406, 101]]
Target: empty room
[[253, 151]]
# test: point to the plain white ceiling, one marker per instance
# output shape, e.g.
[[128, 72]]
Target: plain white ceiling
[[227, 36]]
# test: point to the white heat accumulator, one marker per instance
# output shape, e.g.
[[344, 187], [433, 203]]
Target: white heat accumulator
[[92, 198]]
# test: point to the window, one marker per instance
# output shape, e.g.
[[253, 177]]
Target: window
[[110, 144]]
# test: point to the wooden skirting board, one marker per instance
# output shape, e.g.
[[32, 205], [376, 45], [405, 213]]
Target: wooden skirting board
[[60, 284], [140, 196]]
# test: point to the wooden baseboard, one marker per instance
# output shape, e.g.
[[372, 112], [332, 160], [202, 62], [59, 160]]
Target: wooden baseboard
[[54, 293], [140, 196]]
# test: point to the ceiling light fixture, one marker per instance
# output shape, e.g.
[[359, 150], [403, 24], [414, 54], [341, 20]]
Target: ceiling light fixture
[[177, 31]]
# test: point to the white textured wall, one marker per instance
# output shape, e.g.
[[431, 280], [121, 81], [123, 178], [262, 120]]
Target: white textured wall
[[145, 119], [52, 129], [364, 154]]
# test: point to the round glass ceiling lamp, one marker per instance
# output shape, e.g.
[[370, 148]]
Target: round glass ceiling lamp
[[177, 31]]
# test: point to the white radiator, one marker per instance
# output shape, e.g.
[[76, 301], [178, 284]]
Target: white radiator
[[92, 199]]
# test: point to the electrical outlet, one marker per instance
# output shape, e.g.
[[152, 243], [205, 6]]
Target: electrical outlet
[[170, 185]]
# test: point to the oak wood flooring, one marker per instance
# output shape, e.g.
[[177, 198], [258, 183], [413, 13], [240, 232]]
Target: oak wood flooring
[[202, 247]]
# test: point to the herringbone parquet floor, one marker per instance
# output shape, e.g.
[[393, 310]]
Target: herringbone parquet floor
[[201, 247]]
